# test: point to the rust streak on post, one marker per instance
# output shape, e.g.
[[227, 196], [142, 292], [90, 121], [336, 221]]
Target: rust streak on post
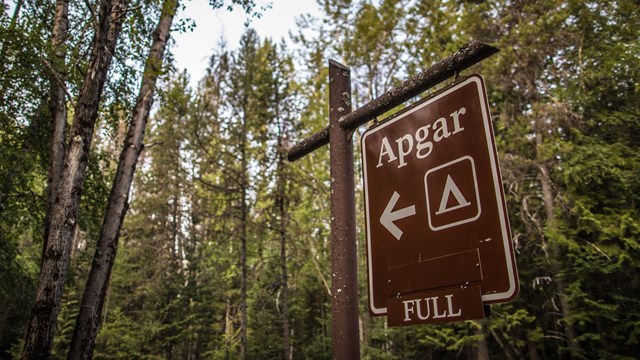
[[468, 55], [344, 286]]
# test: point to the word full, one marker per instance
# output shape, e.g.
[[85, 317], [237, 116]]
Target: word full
[[430, 307], [423, 140]]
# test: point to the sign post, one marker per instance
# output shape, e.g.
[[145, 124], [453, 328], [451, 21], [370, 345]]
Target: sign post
[[339, 133], [438, 238], [344, 282]]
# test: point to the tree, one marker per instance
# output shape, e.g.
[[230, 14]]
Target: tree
[[275, 194], [65, 206], [88, 321], [23, 124], [283, 111], [543, 122], [245, 128], [57, 107]]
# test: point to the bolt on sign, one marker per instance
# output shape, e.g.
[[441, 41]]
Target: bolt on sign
[[438, 239]]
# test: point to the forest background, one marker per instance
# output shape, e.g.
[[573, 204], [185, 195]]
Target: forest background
[[224, 250]]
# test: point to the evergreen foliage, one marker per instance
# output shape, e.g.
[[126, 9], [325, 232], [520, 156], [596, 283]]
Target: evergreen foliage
[[225, 252]]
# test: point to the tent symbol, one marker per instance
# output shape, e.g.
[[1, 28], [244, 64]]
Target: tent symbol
[[450, 188], [457, 201]]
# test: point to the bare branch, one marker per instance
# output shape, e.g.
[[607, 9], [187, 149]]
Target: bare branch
[[58, 80]]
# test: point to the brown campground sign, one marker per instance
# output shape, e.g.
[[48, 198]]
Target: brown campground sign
[[438, 238]]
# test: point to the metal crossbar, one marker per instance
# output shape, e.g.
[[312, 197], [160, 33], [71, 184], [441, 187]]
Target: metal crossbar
[[468, 55]]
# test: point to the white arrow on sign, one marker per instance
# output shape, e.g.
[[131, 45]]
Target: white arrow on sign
[[389, 216]]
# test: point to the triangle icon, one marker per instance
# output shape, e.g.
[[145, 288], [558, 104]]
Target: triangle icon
[[451, 188]]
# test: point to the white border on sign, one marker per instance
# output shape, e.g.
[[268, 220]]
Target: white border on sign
[[475, 182], [506, 241]]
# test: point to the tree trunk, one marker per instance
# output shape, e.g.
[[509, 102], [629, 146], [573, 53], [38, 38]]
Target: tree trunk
[[89, 319], [556, 253], [281, 200], [228, 327], [55, 262], [285, 286], [482, 351], [283, 250], [57, 108], [243, 252], [531, 350]]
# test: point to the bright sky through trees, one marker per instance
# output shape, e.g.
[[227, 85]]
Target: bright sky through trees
[[193, 49]]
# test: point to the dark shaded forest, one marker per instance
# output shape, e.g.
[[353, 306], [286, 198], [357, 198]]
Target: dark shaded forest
[[145, 217]]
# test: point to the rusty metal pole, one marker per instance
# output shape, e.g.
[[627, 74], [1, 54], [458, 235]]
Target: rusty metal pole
[[344, 284]]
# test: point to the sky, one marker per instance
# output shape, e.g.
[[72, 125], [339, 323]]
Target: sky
[[192, 49]]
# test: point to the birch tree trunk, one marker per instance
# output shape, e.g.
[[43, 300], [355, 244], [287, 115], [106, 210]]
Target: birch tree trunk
[[57, 108], [89, 319], [55, 262]]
